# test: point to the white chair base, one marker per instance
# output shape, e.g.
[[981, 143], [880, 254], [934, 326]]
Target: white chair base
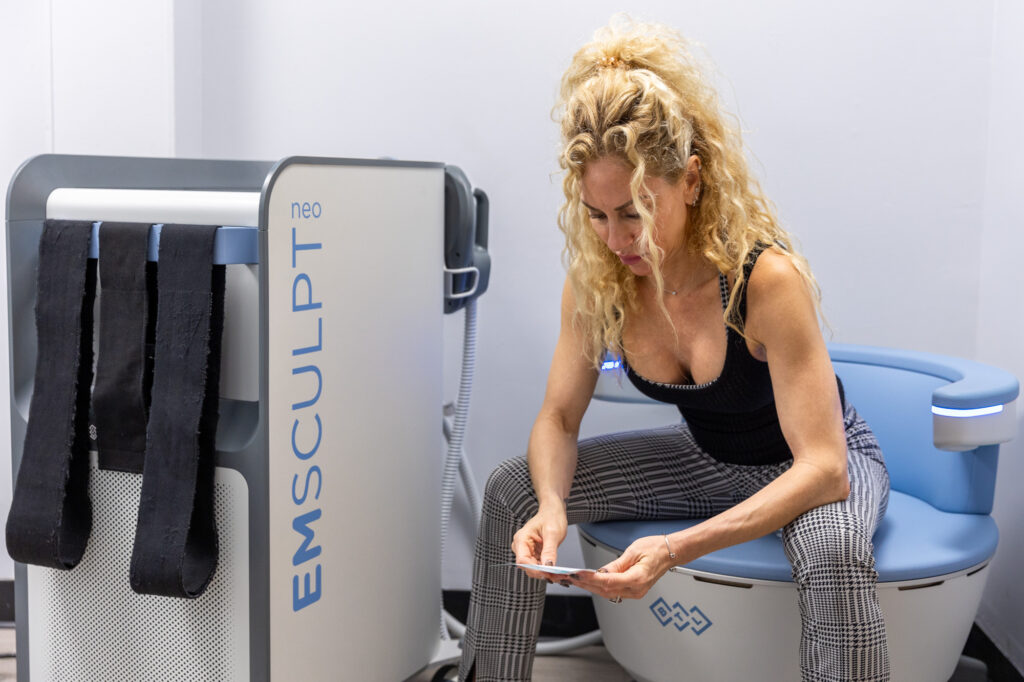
[[701, 626]]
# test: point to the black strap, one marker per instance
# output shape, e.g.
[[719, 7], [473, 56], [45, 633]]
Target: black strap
[[51, 515], [120, 400], [748, 267], [175, 551]]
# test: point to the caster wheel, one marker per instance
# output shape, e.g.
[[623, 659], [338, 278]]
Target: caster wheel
[[446, 673]]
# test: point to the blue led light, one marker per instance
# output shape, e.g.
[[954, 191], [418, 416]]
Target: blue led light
[[610, 364], [976, 412]]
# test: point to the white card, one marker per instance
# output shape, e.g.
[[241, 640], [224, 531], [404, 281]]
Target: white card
[[553, 570]]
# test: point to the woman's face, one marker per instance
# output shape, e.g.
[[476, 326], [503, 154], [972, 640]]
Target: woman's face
[[606, 195]]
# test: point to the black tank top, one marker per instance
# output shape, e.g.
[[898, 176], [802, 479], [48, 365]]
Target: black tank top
[[732, 417]]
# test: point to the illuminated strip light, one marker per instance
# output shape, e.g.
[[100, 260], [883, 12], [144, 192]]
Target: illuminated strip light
[[976, 412], [610, 364]]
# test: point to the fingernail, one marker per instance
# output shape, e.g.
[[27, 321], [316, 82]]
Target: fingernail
[[549, 563], [602, 570], [564, 583]]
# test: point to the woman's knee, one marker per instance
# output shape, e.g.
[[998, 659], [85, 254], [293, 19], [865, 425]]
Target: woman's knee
[[509, 485], [829, 544]]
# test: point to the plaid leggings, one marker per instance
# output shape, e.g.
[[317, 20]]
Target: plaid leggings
[[662, 473]]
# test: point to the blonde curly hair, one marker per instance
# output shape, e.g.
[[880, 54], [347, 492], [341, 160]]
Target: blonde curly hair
[[636, 93]]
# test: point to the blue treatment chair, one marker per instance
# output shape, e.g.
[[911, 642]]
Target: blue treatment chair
[[733, 614]]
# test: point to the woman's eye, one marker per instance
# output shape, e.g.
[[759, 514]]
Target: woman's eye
[[632, 216], [595, 216]]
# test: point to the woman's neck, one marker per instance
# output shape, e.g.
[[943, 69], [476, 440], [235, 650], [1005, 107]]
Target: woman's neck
[[684, 273]]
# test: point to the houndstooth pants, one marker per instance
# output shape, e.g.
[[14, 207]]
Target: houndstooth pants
[[662, 473]]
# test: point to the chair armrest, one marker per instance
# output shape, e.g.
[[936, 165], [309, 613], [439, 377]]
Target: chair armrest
[[977, 407]]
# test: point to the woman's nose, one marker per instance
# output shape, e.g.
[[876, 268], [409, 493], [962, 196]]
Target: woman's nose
[[619, 236]]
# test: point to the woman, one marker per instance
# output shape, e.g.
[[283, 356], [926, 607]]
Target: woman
[[677, 263]]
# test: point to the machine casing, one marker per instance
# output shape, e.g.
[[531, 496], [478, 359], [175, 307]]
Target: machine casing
[[328, 456]]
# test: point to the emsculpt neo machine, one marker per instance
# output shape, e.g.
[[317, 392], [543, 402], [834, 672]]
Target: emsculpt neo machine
[[226, 388]]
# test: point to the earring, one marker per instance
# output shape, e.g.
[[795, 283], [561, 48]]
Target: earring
[[696, 196]]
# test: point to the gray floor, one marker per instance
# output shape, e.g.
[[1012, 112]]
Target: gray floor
[[589, 664], [594, 664]]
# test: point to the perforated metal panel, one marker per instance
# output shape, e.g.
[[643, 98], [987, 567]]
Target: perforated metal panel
[[87, 624]]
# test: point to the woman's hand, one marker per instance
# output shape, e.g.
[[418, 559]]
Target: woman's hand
[[633, 574], [538, 540]]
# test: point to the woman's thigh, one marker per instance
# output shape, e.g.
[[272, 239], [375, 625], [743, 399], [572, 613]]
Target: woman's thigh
[[651, 473]]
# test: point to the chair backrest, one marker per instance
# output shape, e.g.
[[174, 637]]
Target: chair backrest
[[893, 390]]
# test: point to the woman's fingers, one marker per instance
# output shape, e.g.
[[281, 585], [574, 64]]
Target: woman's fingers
[[620, 585], [630, 576], [551, 539], [528, 547], [623, 563], [524, 547], [537, 542], [625, 577]]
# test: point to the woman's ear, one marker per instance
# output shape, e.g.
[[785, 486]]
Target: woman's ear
[[691, 181]]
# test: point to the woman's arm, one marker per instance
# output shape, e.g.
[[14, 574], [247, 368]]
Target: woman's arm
[[782, 322], [552, 448]]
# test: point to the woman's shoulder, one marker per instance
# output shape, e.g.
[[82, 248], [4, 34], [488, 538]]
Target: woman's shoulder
[[766, 269], [779, 302], [773, 271]]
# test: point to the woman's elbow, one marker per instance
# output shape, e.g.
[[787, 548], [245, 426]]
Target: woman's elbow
[[830, 482], [842, 488], [837, 483]]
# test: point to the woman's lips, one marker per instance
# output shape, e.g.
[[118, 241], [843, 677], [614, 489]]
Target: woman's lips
[[630, 260]]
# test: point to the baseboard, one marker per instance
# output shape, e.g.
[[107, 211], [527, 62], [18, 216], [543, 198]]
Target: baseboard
[[1000, 669], [564, 616], [569, 616], [6, 601]]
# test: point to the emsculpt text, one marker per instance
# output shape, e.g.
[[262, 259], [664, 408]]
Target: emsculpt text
[[307, 427]]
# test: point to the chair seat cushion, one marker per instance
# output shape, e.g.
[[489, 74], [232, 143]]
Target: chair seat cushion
[[914, 540]]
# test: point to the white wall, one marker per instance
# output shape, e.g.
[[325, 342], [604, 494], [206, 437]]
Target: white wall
[[86, 78], [26, 129], [866, 121], [1000, 329], [113, 77]]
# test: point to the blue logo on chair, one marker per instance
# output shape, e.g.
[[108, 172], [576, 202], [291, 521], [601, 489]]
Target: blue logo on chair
[[680, 617]]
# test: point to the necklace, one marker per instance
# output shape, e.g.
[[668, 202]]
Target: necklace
[[671, 292], [667, 290], [674, 291]]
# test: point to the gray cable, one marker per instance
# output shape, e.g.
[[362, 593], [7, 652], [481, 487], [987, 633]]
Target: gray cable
[[458, 430], [465, 473]]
